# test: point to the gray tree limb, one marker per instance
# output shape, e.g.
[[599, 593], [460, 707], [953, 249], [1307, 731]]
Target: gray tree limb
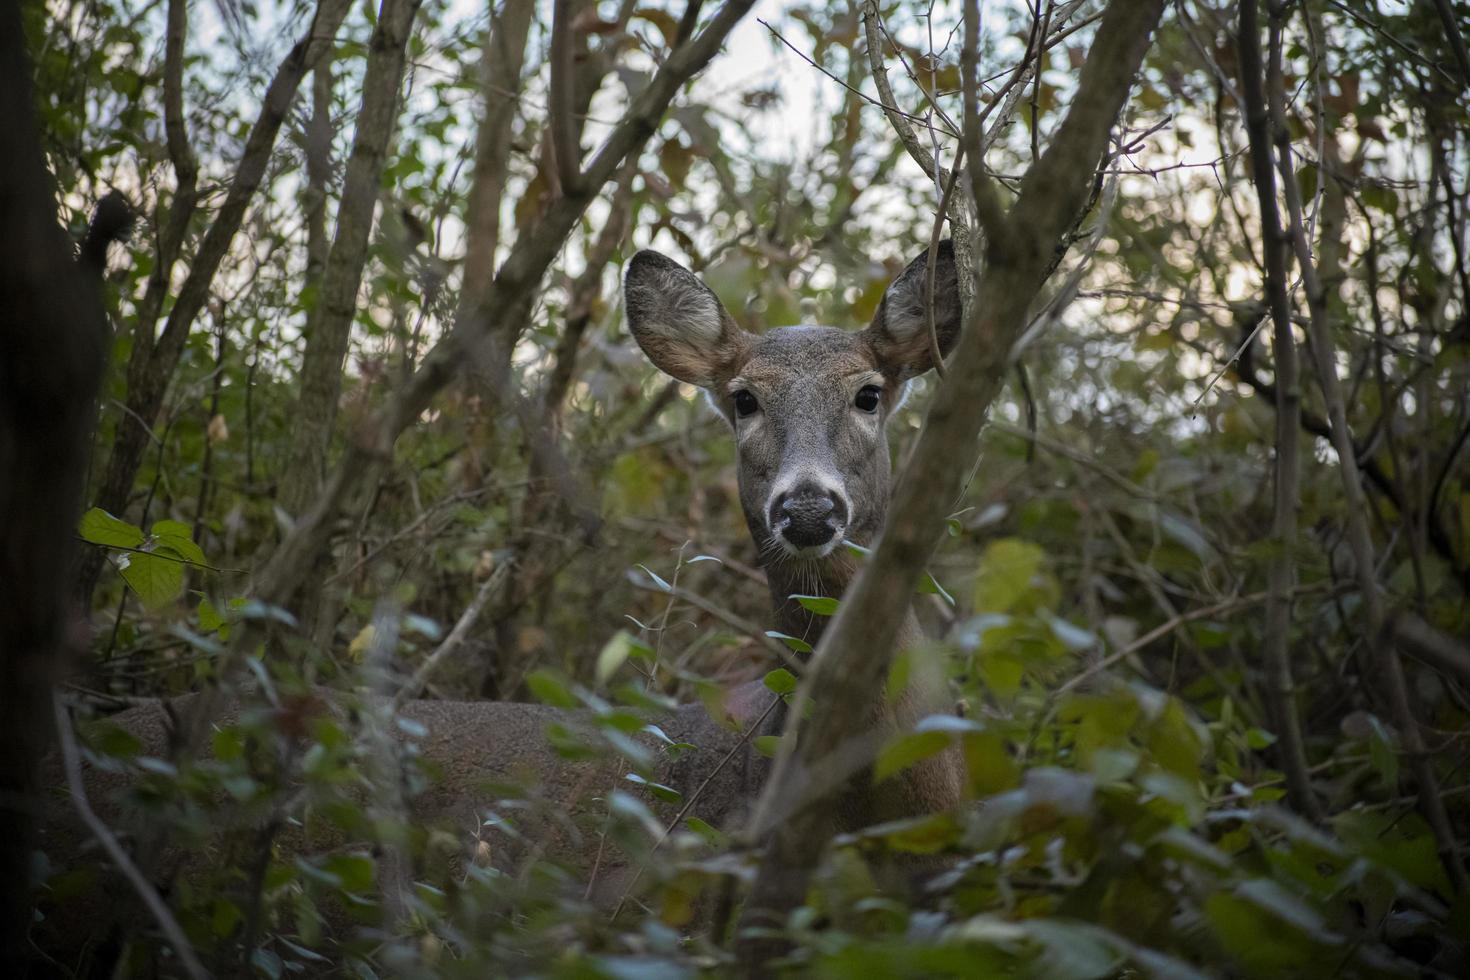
[[329, 326], [1281, 571], [1360, 538]]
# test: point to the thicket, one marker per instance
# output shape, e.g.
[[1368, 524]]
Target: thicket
[[372, 422]]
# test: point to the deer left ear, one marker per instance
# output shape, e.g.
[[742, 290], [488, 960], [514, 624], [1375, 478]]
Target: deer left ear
[[899, 333]]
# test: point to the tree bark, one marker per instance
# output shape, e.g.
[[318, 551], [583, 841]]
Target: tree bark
[[329, 325], [855, 654], [53, 333], [1281, 572]]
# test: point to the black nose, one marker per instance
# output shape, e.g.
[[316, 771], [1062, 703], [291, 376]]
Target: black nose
[[808, 515]]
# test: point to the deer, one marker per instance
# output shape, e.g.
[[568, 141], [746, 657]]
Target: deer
[[807, 407]]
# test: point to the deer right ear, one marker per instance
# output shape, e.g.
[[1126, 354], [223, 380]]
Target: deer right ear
[[679, 322]]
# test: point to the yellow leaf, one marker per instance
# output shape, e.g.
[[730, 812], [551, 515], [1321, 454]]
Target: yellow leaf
[[361, 642]]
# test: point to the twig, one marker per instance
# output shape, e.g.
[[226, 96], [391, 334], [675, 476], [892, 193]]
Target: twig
[[1169, 626], [1389, 667], [931, 265], [737, 623], [735, 749], [988, 209], [1457, 43], [858, 92], [166, 922], [466, 622]]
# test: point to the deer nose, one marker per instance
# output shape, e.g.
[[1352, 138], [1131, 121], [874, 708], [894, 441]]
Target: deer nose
[[808, 515]]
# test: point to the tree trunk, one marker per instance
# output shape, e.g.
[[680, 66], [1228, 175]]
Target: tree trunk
[[52, 336], [329, 326]]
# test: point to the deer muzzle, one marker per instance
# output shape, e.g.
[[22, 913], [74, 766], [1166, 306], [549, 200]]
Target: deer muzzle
[[808, 517]]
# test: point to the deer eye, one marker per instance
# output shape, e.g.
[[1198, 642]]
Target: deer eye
[[867, 398], [745, 403]]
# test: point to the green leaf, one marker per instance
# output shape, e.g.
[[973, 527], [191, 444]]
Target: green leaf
[[208, 616], [1007, 570], [780, 681], [795, 643], [989, 763], [176, 535], [634, 810], [819, 604], [906, 750], [665, 793], [225, 916], [266, 963], [1073, 637], [1073, 950], [767, 745], [928, 585], [97, 526], [1259, 738], [704, 830], [614, 652], [919, 835], [157, 580], [1382, 754], [548, 688]]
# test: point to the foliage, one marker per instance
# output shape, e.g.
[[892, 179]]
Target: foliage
[[1097, 604]]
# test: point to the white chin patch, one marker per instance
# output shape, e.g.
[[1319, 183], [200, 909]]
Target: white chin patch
[[811, 552]]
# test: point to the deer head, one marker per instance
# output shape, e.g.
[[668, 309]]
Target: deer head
[[808, 404]]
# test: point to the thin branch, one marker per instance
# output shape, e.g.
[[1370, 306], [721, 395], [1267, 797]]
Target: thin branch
[[737, 623], [563, 124], [1423, 642], [1389, 667], [451, 643], [931, 265], [983, 194], [1281, 570], [881, 104], [693, 798], [1169, 626], [170, 927]]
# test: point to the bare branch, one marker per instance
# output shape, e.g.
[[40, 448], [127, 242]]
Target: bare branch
[[1281, 571], [983, 193], [1457, 43], [1423, 642], [462, 626], [1360, 540], [563, 122], [329, 329], [71, 762]]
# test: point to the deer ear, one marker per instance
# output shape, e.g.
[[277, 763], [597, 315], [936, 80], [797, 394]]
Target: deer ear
[[679, 322], [899, 332]]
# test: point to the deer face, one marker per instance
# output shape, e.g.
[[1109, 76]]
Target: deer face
[[807, 404]]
